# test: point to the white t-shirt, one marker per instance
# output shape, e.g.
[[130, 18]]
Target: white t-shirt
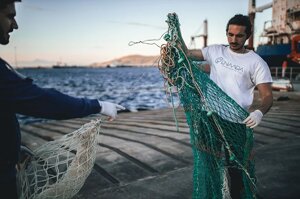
[[236, 74]]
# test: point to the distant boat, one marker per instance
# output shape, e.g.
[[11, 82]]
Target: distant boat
[[67, 66], [282, 85], [59, 65]]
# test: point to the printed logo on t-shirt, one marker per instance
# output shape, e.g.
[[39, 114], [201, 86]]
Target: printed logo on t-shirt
[[227, 64]]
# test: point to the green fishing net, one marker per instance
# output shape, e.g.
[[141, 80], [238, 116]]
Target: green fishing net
[[221, 143]]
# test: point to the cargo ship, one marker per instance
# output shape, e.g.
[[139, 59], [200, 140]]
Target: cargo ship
[[280, 40]]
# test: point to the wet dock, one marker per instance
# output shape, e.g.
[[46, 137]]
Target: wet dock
[[143, 155]]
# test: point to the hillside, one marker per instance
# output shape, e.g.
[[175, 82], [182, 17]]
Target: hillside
[[130, 60]]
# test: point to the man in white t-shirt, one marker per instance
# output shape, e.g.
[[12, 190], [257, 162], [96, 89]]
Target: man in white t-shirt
[[237, 71]]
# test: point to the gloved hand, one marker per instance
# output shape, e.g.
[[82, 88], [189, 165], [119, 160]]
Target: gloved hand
[[110, 109], [253, 119]]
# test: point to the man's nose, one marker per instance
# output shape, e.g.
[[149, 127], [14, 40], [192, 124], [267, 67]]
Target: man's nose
[[15, 24], [233, 39]]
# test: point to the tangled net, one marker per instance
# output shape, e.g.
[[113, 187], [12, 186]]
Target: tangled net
[[58, 169], [221, 143]]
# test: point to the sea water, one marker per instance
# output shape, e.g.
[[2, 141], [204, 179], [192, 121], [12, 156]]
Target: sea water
[[136, 88]]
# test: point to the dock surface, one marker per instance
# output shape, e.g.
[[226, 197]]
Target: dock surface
[[143, 155]]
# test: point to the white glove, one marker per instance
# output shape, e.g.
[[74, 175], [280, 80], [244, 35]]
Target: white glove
[[253, 119], [110, 109]]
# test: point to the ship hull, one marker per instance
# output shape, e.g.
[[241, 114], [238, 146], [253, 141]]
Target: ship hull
[[274, 55]]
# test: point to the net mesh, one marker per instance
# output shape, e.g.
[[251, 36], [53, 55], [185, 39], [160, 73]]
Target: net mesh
[[221, 143], [58, 169]]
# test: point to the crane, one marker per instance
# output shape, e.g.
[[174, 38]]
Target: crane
[[204, 35]]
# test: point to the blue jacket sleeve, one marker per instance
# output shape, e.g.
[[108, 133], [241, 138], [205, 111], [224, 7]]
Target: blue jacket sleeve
[[20, 95]]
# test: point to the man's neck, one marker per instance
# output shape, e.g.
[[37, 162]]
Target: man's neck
[[242, 50]]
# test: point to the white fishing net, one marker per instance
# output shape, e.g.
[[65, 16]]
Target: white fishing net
[[58, 169]]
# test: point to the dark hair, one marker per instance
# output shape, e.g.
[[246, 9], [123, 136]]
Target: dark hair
[[4, 3], [241, 20]]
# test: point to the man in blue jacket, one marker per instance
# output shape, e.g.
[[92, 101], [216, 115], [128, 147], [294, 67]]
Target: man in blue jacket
[[19, 94]]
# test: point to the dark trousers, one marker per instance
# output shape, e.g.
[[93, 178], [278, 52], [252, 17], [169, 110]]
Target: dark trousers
[[236, 183], [8, 185], [235, 178], [235, 174]]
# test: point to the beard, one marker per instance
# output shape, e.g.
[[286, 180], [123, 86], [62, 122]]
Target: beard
[[4, 42], [4, 38], [235, 46]]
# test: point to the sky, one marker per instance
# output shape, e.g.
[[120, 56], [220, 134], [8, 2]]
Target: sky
[[82, 32]]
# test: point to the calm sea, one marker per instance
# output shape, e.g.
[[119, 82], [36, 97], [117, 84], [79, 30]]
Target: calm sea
[[134, 88]]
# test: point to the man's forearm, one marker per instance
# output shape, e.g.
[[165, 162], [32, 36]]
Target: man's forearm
[[195, 54], [266, 104], [266, 96]]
